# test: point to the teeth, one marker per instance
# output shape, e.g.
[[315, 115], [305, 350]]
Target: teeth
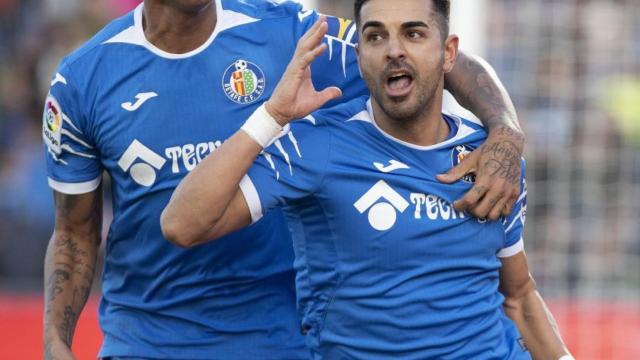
[[395, 77]]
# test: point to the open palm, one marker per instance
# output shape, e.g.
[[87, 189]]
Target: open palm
[[295, 96]]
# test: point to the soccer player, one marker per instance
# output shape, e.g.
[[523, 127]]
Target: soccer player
[[147, 99], [387, 268]]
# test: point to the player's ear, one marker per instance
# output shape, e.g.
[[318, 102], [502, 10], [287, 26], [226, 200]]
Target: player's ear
[[358, 59], [450, 52]]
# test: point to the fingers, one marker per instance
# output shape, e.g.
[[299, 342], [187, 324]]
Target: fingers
[[311, 55], [471, 198], [488, 203], [498, 209], [466, 166], [329, 94], [322, 19], [310, 45], [494, 197], [320, 29], [510, 203]]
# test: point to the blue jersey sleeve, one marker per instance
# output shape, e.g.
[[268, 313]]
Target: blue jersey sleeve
[[514, 223], [290, 169], [338, 66], [72, 161]]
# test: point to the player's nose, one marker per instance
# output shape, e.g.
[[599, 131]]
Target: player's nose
[[395, 49]]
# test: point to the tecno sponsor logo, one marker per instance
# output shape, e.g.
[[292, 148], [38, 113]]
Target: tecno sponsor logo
[[187, 157], [382, 205], [143, 164], [433, 208]]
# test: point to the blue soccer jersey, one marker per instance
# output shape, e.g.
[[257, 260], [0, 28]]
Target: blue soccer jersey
[[386, 267], [147, 118]]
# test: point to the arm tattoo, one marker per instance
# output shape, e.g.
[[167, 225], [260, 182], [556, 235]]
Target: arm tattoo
[[68, 324], [70, 263], [56, 282], [478, 89], [504, 160]]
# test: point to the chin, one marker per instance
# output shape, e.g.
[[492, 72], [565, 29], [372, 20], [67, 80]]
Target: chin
[[400, 109]]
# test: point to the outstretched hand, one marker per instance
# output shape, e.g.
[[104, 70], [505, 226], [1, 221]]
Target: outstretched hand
[[294, 96], [498, 167]]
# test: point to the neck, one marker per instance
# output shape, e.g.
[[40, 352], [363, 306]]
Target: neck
[[176, 29], [424, 129]]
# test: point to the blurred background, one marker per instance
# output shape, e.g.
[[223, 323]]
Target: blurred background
[[572, 68]]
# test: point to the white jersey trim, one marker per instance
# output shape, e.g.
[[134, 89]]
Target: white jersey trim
[[251, 197], [512, 250], [463, 130], [226, 19], [75, 188]]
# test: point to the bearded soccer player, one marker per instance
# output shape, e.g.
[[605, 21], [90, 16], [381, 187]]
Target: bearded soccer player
[[387, 267], [147, 99]]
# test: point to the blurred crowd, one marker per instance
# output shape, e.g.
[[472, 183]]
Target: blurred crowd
[[573, 69], [34, 35], [571, 66]]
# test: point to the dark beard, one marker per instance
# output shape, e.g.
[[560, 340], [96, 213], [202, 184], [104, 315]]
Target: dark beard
[[403, 110], [399, 109]]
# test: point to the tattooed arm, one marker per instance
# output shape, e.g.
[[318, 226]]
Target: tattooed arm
[[69, 268], [497, 165]]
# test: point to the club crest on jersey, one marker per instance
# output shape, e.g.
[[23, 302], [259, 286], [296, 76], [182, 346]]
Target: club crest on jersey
[[459, 154], [243, 82], [52, 125]]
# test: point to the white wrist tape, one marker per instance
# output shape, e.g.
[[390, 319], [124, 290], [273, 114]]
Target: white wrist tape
[[567, 357], [261, 127]]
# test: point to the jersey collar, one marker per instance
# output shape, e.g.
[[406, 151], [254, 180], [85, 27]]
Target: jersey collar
[[463, 130], [226, 19]]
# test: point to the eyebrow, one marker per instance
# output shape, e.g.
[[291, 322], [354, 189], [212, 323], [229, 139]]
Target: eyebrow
[[413, 24], [376, 24], [407, 25]]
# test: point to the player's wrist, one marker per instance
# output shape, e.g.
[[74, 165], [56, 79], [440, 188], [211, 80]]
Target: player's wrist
[[262, 127], [507, 131], [53, 341], [277, 115]]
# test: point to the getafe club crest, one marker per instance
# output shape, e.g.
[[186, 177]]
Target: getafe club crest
[[52, 124], [459, 153], [243, 82]]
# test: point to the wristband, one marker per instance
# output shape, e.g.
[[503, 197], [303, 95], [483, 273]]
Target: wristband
[[566, 357], [262, 127]]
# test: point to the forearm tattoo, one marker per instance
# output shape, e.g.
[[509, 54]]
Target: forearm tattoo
[[483, 96], [71, 266]]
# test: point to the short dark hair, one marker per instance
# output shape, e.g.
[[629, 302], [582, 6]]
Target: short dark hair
[[441, 7]]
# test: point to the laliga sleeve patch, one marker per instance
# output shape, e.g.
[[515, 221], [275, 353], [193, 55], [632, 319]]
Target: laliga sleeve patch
[[52, 125]]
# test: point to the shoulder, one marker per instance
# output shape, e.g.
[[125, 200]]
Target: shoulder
[[464, 122], [355, 109], [90, 49], [468, 132], [264, 10], [320, 126]]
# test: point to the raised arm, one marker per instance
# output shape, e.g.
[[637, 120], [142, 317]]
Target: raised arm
[[524, 305], [69, 268], [199, 211], [475, 85]]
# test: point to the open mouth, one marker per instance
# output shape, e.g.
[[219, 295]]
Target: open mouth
[[399, 83]]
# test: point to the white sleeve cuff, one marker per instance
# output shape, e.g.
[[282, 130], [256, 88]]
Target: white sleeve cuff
[[512, 250], [251, 197], [75, 188]]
